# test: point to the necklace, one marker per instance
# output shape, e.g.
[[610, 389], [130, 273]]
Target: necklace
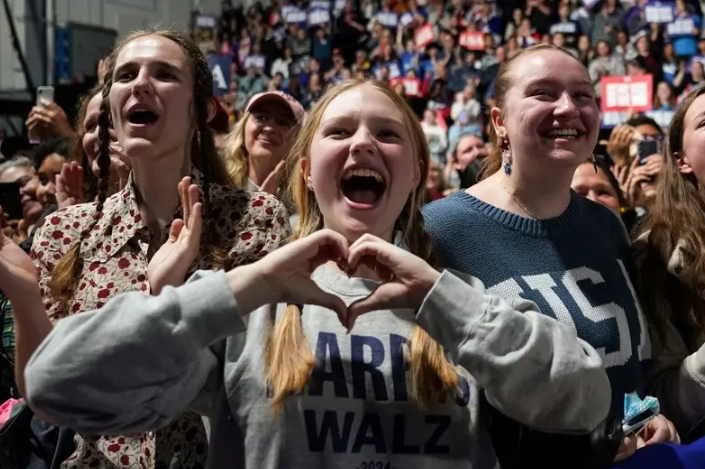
[[516, 201]]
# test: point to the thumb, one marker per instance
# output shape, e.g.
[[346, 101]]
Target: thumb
[[175, 230]]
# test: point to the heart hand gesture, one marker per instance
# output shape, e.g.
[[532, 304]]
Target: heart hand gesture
[[409, 278], [284, 275], [172, 261]]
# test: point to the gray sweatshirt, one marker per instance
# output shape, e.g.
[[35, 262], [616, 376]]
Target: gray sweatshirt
[[140, 361]]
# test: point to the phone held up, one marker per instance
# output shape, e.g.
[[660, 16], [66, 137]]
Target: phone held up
[[45, 94], [11, 200], [646, 148]]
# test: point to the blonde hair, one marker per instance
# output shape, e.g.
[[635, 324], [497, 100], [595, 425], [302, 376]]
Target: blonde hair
[[289, 359], [237, 160]]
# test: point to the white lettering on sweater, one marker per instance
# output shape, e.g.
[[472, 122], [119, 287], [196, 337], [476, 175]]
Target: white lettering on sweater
[[570, 282]]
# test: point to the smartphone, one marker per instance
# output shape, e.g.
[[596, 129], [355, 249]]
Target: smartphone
[[44, 94], [11, 200], [646, 148], [636, 423]]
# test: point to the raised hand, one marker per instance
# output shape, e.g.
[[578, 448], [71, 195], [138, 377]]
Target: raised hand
[[271, 183], [284, 275], [120, 167], [619, 144], [171, 262], [69, 185], [408, 278], [18, 275], [48, 121]]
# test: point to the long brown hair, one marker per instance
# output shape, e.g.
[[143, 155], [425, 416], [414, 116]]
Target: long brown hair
[[677, 215], [204, 157], [502, 84], [289, 359]]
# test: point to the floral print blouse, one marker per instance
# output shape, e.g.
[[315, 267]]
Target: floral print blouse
[[114, 260]]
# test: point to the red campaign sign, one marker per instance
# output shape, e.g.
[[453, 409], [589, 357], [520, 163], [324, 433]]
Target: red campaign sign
[[627, 93], [472, 40], [423, 35], [412, 86]]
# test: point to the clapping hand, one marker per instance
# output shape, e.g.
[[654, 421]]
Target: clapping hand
[[69, 185], [120, 167], [18, 275], [172, 261], [271, 183]]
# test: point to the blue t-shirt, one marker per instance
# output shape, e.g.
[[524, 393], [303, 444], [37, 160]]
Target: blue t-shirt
[[574, 267]]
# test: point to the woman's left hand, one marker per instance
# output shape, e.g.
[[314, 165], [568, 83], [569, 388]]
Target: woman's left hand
[[271, 183], [659, 430], [409, 278], [170, 264], [69, 185]]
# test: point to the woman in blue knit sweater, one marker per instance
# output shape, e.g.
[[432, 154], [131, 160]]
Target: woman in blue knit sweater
[[525, 233]]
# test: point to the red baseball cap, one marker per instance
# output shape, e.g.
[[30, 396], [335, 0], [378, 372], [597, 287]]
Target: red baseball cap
[[221, 120], [296, 108]]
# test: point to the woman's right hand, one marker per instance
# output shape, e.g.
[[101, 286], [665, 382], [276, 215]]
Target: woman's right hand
[[619, 144], [120, 167], [69, 185], [271, 184], [284, 275], [18, 275]]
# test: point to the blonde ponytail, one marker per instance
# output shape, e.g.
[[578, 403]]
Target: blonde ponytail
[[288, 357]]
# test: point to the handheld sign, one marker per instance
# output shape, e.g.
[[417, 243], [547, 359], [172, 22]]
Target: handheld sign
[[627, 93], [220, 68]]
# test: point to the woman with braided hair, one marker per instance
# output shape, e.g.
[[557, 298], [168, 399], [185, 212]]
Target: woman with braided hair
[[158, 98]]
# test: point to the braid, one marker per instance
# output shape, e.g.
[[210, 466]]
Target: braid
[[104, 144], [67, 271]]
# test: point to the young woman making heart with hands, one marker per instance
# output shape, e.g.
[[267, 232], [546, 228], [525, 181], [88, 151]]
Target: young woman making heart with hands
[[343, 349]]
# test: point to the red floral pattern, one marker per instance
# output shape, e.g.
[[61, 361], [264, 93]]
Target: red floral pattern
[[114, 260]]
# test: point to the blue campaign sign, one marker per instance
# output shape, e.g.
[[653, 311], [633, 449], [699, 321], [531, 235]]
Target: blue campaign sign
[[220, 68]]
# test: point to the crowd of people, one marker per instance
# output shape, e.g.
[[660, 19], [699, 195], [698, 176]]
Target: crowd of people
[[405, 234]]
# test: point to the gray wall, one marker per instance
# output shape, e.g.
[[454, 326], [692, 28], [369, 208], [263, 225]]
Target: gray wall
[[121, 15]]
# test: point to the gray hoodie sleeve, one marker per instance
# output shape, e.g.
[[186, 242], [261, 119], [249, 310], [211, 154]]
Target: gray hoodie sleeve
[[532, 367], [136, 363]]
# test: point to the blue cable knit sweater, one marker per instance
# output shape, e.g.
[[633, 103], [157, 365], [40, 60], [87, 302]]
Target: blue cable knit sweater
[[572, 266]]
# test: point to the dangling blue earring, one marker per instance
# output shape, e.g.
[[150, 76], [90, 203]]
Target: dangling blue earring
[[507, 161]]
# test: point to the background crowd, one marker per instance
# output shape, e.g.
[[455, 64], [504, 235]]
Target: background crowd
[[443, 57]]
